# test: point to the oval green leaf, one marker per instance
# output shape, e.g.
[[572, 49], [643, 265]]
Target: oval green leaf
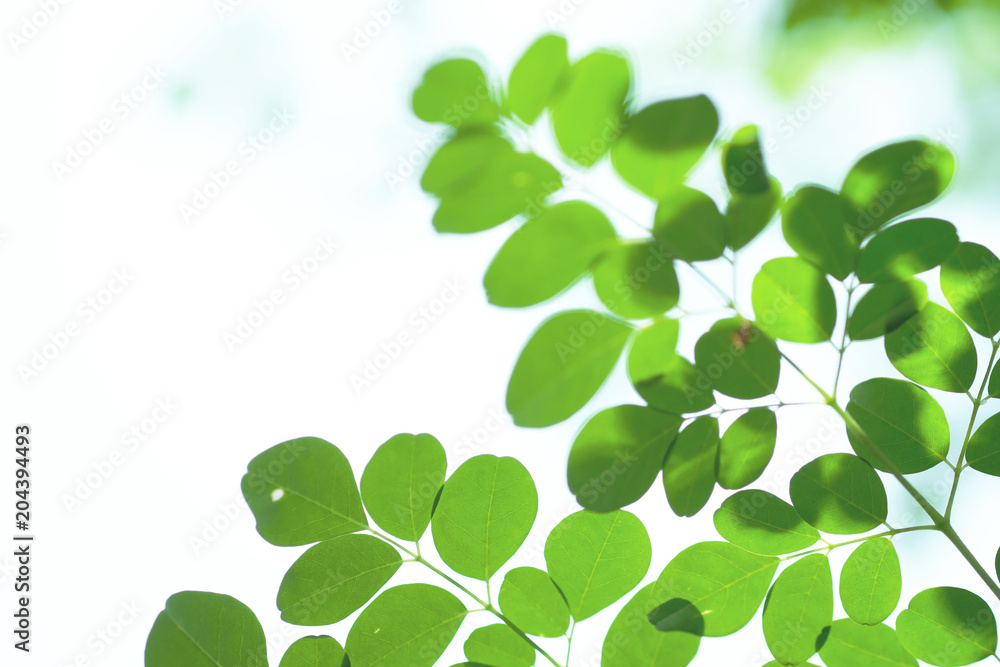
[[664, 379], [948, 627], [303, 491], [617, 455], [531, 600], [743, 163], [689, 469], [335, 578], [970, 280], [633, 640], [906, 249], [850, 644], [870, 582], [748, 215], [319, 651], [205, 630], [455, 92], [737, 359], [885, 307], [537, 77], [746, 448], [793, 301], [689, 226], [816, 224], [798, 609], [486, 509], [563, 365], [596, 559], [984, 453], [588, 115], [839, 494], [499, 646], [637, 280], [933, 348], [762, 523]]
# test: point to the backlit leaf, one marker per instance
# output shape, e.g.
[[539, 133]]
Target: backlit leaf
[[762, 523], [933, 348], [948, 627], [689, 226], [530, 599], [798, 608], [839, 494], [637, 280], [588, 115], [633, 640], [537, 77], [906, 249], [870, 582], [748, 215], [850, 644], [746, 448], [455, 92], [315, 652], [885, 307], [689, 469], [984, 447], [499, 646], [816, 224], [739, 359], [664, 379], [743, 163], [206, 630], [970, 280], [793, 301]]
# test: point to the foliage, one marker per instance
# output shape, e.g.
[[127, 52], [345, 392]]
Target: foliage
[[852, 276]]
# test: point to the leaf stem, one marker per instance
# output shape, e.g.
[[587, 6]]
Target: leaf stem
[[888, 533]]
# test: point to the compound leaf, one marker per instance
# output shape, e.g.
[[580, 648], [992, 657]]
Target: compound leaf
[[870, 582], [933, 348], [762, 523], [793, 301], [906, 249], [531, 600], [746, 448], [798, 609], [948, 627], [839, 494], [689, 468], [206, 630]]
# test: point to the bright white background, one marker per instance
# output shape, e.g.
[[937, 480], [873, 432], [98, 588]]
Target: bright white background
[[129, 544]]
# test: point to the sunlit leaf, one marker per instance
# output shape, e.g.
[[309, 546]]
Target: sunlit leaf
[[588, 116], [870, 582], [984, 447], [798, 608], [689, 226], [689, 469], [906, 249], [949, 627], [970, 280], [739, 359], [455, 92], [748, 215], [637, 280], [885, 307], [537, 77], [746, 448], [205, 630], [816, 224], [933, 348], [664, 379], [762, 523], [320, 651], [632, 640], [499, 646], [839, 494], [530, 599], [793, 301], [850, 644], [743, 163]]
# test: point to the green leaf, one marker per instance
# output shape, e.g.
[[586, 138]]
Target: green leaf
[[743, 163], [689, 469], [839, 494], [948, 627], [933, 348], [664, 379], [870, 582], [689, 226], [530, 599], [663, 142], [816, 224], [746, 448], [775, 663], [748, 215], [486, 509], [633, 640], [903, 420], [793, 301], [482, 182], [303, 491], [725, 583], [885, 307], [588, 115], [320, 651], [798, 609], [206, 630], [895, 179], [906, 249], [994, 385], [762, 523], [400, 483], [617, 455], [548, 254], [499, 646], [563, 365], [740, 360], [335, 578], [983, 453], [595, 559], [407, 625], [637, 280], [970, 280], [455, 92], [537, 77], [852, 645]]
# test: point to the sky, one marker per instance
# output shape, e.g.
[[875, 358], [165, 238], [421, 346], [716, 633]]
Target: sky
[[211, 225]]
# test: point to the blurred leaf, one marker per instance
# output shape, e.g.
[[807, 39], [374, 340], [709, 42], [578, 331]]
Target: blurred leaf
[[934, 349], [839, 494], [633, 640], [587, 116], [793, 301], [618, 454], [852, 645], [746, 448], [400, 483], [315, 652], [499, 646], [455, 92], [563, 365], [816, 224], [984, 453], [906, 249], [885, 307], [595, 559], [637, 280], [726, 583], [741, 360], [664, 379], [407, 625], [548, 254], [948, 627], [663, 142], [537, 77], [486, 510], [870, 582], [689, 226], [970, 280], [762, 523], [798, 609], [743, 163], [303, 491], [206, 630], [530, 599], [689, 469], [903, 420], [895, 179], [335, 578], [747, 215]]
